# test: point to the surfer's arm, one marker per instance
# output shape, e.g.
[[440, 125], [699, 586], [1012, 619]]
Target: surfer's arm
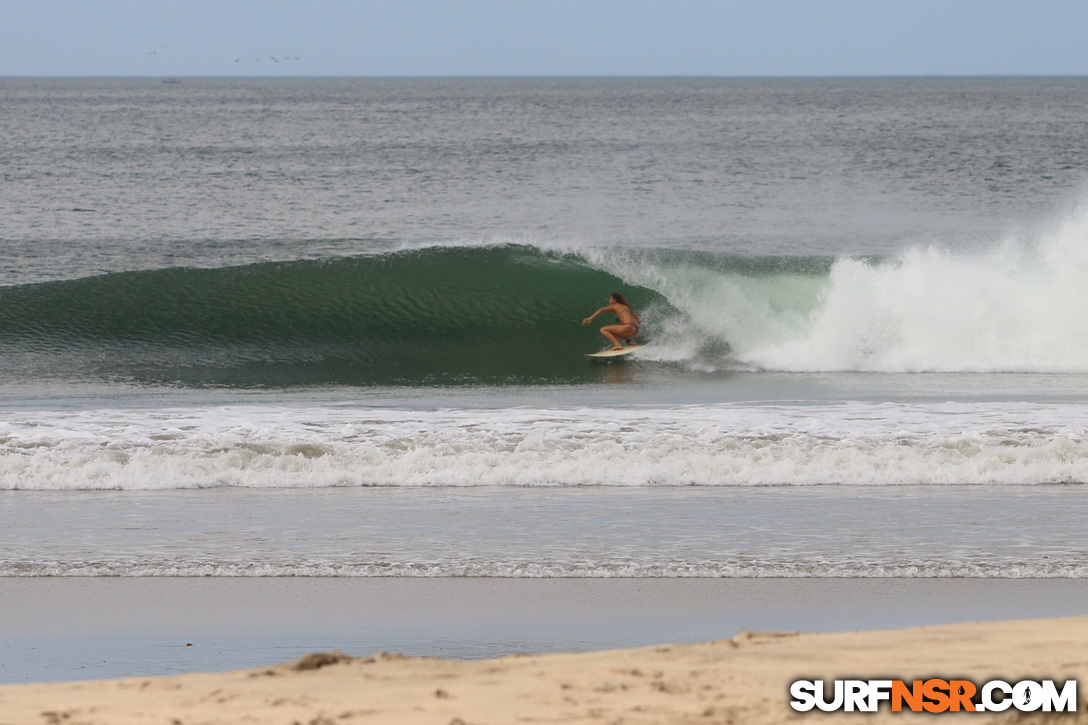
[[590, 318]]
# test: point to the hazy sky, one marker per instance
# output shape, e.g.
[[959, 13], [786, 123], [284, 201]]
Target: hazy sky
[[543, 37]]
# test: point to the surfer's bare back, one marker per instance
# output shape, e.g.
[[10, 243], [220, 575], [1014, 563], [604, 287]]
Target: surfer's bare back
[[629, 321]]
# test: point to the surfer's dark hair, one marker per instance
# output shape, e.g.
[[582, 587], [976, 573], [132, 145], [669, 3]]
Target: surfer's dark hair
[[619, 298]]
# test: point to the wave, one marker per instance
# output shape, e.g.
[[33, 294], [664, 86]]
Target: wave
[[1018, 306], [510, 314], [719, 445], [438, 315]]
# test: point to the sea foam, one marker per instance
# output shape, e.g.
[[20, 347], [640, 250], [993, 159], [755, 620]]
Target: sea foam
[[707, 445], [1017, 306]]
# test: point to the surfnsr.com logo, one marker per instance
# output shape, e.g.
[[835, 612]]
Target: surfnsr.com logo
[[934, 695]]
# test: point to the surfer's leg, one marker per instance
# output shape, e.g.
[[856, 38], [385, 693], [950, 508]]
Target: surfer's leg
[[609, 331], [614, 332]]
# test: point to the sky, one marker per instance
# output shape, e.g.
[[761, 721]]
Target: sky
[[542, 37]]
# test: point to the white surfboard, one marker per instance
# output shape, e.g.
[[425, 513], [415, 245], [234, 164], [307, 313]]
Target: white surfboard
[[615, 353]]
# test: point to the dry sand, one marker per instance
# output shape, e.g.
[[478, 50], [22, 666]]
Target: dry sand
[[740, 680]]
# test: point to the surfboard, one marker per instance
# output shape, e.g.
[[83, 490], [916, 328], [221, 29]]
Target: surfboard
[[615, 353]]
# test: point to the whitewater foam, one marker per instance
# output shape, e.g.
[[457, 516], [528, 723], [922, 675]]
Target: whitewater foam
[[529, 569], [706, 445], [1010, 310], [1018, 306]]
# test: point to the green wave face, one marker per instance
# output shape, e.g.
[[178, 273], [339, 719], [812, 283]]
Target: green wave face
[[433, 316]]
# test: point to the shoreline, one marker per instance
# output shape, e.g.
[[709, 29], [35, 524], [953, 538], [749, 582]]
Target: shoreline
[[743, 679], [80, 628]]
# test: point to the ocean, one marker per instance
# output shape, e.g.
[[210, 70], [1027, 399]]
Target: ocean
[[332, 328]]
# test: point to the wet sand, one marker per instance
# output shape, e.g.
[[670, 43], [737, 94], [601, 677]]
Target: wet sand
[[76, 628]]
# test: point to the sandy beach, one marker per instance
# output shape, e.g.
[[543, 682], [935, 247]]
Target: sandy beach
[[744, 679]]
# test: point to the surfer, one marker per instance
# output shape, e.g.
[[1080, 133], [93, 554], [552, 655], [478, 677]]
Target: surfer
[[629, 321]]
